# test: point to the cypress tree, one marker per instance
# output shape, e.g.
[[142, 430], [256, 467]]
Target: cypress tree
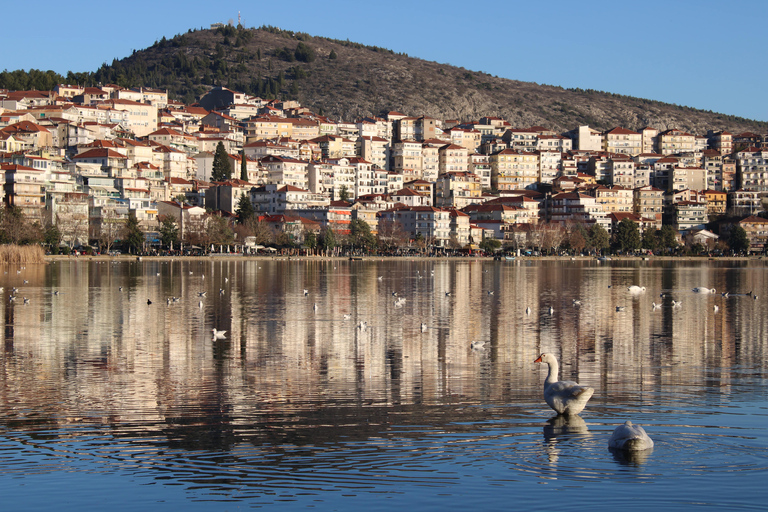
[[243, 167], [222, 169]]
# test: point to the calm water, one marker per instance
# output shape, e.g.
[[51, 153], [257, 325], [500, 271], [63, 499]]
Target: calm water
[[108, 402]]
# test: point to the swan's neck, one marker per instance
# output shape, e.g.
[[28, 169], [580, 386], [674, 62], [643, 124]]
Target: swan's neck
[[552, 375]]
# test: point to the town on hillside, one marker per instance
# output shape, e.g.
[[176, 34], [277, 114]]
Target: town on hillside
[[92, 167]]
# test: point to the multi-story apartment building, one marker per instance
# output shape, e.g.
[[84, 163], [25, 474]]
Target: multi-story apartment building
[[432, 224], [407, 154], [512, 170], [648, 202], [24, 189], [752, 167], [430, 159], [329, 178], [622, 141], [675, 141], [622, 171], [549, 165], [140, 118], [286, 171], [374, 149], [457, 189], [613, 199], [480, 165], [650, 140], [681, 178], [452, 158]]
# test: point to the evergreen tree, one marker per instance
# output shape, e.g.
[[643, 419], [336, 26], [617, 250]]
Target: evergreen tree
[[169, 231], [304, 53], [343, 193], [627, 237], [599, 239], [332, 55], [133, 236], [650, 239], [222, 169], [668, 238], [243, 166], [328, 239], [244, 209], [360, 235], [738, 240]]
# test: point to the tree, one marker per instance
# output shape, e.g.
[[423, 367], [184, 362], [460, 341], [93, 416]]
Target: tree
[[343, 193], [304, 52], [360, 235], [133, 235], [243, 166], [110, 229], [169, 231], [738, 240], [222, 169], [627, 236], [13, 225], [490, 245], [52, 238], [219, 231], [391, 235], [599, 239], [328, 239], [650, 239], [310, 239], [577, 239], [244, 209], [332, 55], [668, 238]]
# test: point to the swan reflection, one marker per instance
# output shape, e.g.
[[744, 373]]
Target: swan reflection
[[560, 428]]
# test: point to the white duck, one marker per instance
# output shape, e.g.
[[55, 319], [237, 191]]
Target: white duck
[[564, 396], [218, 335], [634, 289], [701, 289], [630, 437]]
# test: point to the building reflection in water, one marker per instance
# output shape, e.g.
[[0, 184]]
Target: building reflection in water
[[96, 352]]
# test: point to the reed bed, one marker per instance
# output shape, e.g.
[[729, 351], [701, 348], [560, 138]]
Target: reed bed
[[21, 254]]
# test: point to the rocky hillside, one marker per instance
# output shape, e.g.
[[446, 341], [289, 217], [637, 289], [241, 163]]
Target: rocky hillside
[[345, 80]]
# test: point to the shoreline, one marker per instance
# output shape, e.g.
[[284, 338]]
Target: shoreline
[[221, 257]]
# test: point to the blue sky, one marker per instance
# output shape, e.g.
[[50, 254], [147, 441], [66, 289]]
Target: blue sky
[[704, 54]]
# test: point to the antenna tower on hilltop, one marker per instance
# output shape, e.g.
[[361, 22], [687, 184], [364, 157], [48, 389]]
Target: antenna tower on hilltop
[[238, 18]]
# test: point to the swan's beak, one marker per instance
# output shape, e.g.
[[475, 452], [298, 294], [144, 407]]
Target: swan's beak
[[538, 360]]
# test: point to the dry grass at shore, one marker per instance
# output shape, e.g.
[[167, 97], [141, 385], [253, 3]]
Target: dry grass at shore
[[21, 254]]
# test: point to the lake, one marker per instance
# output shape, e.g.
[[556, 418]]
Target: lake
[[351, 385]]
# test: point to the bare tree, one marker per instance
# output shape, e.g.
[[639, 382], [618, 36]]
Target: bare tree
[[110, 228], [391, 234]]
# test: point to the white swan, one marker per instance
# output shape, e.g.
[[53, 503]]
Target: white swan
[[477, 345], [655, 306], [630, 437], [701, 289], [634, 289], [218, 335], [564, 396]]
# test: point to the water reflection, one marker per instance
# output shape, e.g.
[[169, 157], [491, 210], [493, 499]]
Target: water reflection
[[298, 397]]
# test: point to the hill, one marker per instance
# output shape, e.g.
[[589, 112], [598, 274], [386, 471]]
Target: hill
[[345, 80]]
